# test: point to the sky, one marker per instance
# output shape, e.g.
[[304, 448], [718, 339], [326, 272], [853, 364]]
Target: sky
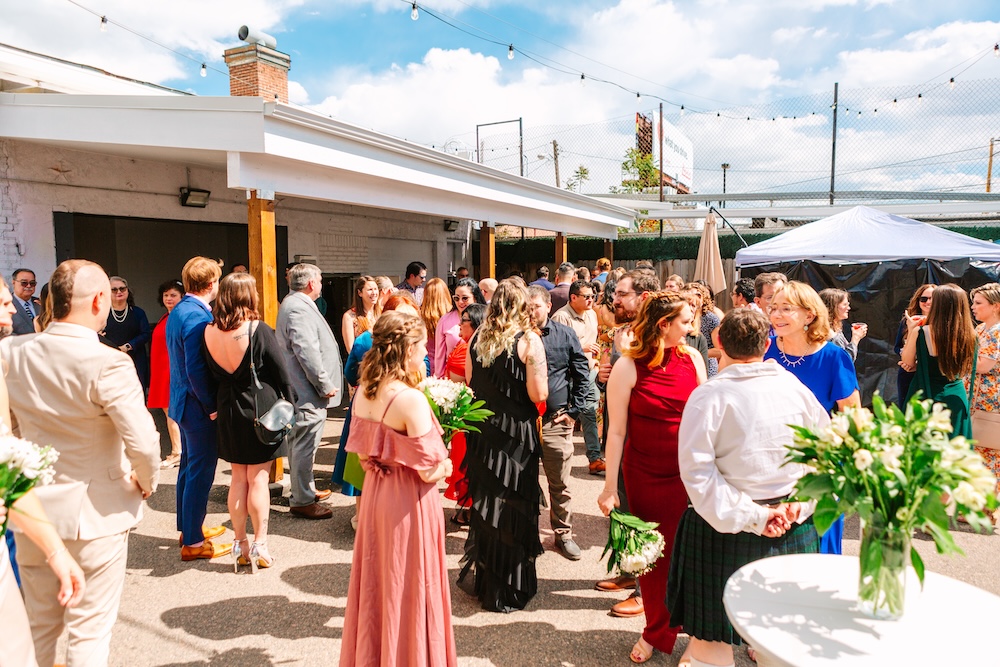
[[367, 62]]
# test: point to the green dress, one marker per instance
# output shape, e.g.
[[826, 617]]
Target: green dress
[[936, 386]]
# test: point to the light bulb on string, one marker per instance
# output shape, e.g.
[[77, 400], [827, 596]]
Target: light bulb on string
[[638, 97], [204, 71], [510, 52], [682, 109], [951, 83], [996, 50], [920, 97], [104, 24], [583, 79], [414, 14], [894, 102]]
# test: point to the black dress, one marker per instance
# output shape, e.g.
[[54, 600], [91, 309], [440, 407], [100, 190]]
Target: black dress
[[238, 442], [134, 330], [501, 466]]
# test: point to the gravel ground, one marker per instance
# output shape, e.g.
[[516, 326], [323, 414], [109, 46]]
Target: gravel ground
[[201, 614]]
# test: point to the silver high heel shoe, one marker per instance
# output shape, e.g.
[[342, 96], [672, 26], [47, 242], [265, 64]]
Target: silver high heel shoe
[[238, 557], [259, 557]]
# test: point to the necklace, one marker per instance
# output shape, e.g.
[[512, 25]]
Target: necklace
[[114, 315], [788, 362]]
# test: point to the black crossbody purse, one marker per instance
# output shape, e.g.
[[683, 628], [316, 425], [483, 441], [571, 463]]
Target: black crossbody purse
[[277, 420]]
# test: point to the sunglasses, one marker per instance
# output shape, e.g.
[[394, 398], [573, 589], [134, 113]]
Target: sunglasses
[[586, 297], [27, 283], [925, 299], [463, 299], [466, 319], [119, 289]]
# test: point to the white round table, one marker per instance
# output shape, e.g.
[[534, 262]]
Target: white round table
[[801, 610]]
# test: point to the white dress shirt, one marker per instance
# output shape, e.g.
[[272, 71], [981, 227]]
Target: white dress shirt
[[732, 443]]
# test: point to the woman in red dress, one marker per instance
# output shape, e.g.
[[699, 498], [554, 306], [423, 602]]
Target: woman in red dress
[[458, 487], [171, 293], [647, 391]]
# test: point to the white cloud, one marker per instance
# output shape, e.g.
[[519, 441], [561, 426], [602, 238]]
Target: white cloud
[[297, 93], [790, 35]]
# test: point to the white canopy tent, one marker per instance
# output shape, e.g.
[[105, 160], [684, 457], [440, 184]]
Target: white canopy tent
[[863, 234]]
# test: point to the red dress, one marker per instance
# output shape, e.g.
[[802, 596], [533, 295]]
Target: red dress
[[159, 367], [652, 474], [458, 486]]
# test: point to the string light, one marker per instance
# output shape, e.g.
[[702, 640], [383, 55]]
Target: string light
[[920, 97], [996, 50], [414, 14], [583, 79], [894, 102], [951, 83], [682, 109], [204, 70], [104, 24]]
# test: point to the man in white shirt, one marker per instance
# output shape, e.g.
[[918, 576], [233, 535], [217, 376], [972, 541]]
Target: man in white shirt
[[731, 446]]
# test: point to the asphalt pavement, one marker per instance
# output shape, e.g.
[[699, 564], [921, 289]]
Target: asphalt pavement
[[201, 614]]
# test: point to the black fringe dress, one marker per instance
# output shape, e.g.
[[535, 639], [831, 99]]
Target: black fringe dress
[[501, 466]]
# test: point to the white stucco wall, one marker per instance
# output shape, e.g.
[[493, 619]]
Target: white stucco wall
[[37, 180]]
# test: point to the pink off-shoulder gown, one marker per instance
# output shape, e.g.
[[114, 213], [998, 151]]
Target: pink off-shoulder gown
[[398, 604]]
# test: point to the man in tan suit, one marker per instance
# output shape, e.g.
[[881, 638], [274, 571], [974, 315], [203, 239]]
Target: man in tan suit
[[84, 398]]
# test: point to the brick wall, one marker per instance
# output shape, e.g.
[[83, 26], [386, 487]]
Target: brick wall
[[258, 71]]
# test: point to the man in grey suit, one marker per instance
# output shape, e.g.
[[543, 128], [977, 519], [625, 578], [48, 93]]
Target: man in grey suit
[[312, 357], [22, 287], [83, 398]]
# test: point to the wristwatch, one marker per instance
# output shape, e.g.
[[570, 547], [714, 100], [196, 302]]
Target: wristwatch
[[128, 347]]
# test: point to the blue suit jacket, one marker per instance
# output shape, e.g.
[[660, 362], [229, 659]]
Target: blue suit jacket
[[191, 383]]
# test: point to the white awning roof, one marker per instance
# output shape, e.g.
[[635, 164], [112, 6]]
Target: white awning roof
[[276, 148]]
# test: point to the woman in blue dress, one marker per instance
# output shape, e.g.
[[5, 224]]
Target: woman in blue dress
[[800, 345]]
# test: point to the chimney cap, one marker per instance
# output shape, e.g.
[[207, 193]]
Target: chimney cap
[[252, 36]]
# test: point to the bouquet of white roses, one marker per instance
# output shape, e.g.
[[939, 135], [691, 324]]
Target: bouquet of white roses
[[22, 465], [454, 405], [635, 545], [900, 472]]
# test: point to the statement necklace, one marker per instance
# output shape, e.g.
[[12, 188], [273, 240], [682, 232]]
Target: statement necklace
[[788, 362], [119, 320]]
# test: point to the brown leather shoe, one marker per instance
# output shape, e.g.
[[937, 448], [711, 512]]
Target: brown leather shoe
[[206, 550], [598, 467], [207, 533], [323, 494], [631, 606], [620, 583], [314, 511]]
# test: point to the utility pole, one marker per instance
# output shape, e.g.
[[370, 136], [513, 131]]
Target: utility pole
[[989, 168], [555, 160], [833, 154], [725, 167]]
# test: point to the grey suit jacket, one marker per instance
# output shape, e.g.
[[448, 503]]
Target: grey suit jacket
[[311, 353], [69, 390], [22, 323]]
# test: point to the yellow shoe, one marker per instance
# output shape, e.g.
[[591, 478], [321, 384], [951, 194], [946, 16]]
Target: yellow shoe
[[206, 551], [207, 533]]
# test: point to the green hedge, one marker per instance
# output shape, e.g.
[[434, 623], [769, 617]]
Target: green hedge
[[542, 250]]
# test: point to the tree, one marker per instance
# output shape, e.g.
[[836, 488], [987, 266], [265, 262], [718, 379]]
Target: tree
[[576, 181], [639, 173]]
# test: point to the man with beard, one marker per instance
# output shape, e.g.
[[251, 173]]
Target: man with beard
[[630, 292]]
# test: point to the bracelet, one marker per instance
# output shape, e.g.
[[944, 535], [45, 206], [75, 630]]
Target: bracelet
[[55, 553]]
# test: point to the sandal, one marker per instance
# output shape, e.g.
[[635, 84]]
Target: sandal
[[638, 654], [461, 517]]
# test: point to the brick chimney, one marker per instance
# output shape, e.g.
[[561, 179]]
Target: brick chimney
[[258, 70]]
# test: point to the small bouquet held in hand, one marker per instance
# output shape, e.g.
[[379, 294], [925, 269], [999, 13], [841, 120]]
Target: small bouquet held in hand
[[22, 465], [635, 545], [454, 405], [899, 472]]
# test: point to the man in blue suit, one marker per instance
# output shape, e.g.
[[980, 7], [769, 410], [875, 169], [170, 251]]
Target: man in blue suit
[[192, 406]]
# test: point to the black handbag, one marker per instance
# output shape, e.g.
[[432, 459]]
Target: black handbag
[[278, 419]]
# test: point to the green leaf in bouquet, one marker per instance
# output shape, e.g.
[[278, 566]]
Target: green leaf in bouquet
[[826, 513], [918, 565], [943, 540], [814, 486]]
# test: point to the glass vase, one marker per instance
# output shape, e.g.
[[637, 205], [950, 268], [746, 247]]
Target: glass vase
[[884, 558]]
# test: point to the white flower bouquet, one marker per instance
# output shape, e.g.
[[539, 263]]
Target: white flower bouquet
[[635, 545], [454, 405], [900, 472], [22, 465]]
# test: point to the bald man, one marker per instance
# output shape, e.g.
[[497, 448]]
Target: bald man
[[84, 399]]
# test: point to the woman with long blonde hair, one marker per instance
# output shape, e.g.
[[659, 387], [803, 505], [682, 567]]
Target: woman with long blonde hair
[[436, 304], [399, 570], [986, 390], [360, 317], [505, 367], [647, 391], [801, 345]]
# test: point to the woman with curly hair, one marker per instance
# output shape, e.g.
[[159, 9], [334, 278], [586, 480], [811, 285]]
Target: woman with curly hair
[[942, 349], [706, 321], [505, 366], [647, 391]]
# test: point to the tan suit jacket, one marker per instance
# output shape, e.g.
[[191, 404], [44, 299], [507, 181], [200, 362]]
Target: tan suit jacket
[[82, 397]]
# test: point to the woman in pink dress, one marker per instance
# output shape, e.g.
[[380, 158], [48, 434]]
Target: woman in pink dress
[[398, 604]]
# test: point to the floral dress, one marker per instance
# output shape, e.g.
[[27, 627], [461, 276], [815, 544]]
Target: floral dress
[[986, 396]]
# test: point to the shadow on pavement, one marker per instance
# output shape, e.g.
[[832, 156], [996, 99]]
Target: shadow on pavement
[[273, 615], [244, 657], [553, 594], [165, 499], [162, 557], [330, 579]]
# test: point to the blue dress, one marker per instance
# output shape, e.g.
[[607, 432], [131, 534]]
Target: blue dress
[[352, 374], [830, 376]]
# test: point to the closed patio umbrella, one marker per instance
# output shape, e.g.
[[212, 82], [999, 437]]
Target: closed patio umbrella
[[709, 264]]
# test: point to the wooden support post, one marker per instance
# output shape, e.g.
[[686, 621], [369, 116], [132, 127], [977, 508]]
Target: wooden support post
[[263, 267], [487, 251], [561, 249], [609, 250]]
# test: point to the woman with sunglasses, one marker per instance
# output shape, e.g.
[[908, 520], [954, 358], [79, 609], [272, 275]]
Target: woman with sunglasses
[[448, 332], [920, 304], [128, 328]]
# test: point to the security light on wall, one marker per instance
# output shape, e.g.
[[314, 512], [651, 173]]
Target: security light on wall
[[194, 197], [451, 225]]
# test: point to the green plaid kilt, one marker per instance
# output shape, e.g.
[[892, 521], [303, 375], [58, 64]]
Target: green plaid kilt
[[702, 562]]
